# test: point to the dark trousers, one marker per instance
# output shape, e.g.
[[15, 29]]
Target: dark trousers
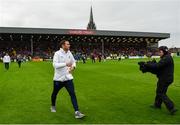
[[69, 87], [84, 61], [6, 65], [161, 96], [19, 64], [93, 60]]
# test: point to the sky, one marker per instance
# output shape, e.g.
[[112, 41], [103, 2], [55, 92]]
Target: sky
[[119, 15]]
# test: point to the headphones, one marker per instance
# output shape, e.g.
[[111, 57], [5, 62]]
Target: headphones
[[164, 49]]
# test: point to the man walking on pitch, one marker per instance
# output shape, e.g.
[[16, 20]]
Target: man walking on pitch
[[19, 60], [64, 64], [164, 70], [6, 61]]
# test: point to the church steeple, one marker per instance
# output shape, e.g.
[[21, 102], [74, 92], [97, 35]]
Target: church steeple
[[91, 24]]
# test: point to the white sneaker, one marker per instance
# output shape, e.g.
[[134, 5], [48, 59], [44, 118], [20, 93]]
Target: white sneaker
[[53, 109], [79, 115]]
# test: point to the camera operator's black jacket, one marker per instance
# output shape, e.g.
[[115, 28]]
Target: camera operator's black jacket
[[164, 68]]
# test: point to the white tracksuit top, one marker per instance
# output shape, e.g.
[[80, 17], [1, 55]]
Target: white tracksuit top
[[61, 71], [6, 59]]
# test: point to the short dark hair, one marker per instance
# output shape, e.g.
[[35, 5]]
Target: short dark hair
[[62, 42], [164, 49]]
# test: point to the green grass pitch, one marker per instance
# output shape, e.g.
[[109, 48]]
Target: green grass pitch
[[107, 92]]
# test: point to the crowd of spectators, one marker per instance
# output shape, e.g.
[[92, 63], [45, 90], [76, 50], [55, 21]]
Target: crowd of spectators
[[46, 51]]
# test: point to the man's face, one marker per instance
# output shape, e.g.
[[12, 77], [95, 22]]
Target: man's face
[[161, 53], [66, 45]]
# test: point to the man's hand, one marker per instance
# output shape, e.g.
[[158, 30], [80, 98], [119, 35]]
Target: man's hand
[[69, 64], [71, 69]]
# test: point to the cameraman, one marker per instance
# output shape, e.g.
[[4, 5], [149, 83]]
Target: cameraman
[[165, 73]]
